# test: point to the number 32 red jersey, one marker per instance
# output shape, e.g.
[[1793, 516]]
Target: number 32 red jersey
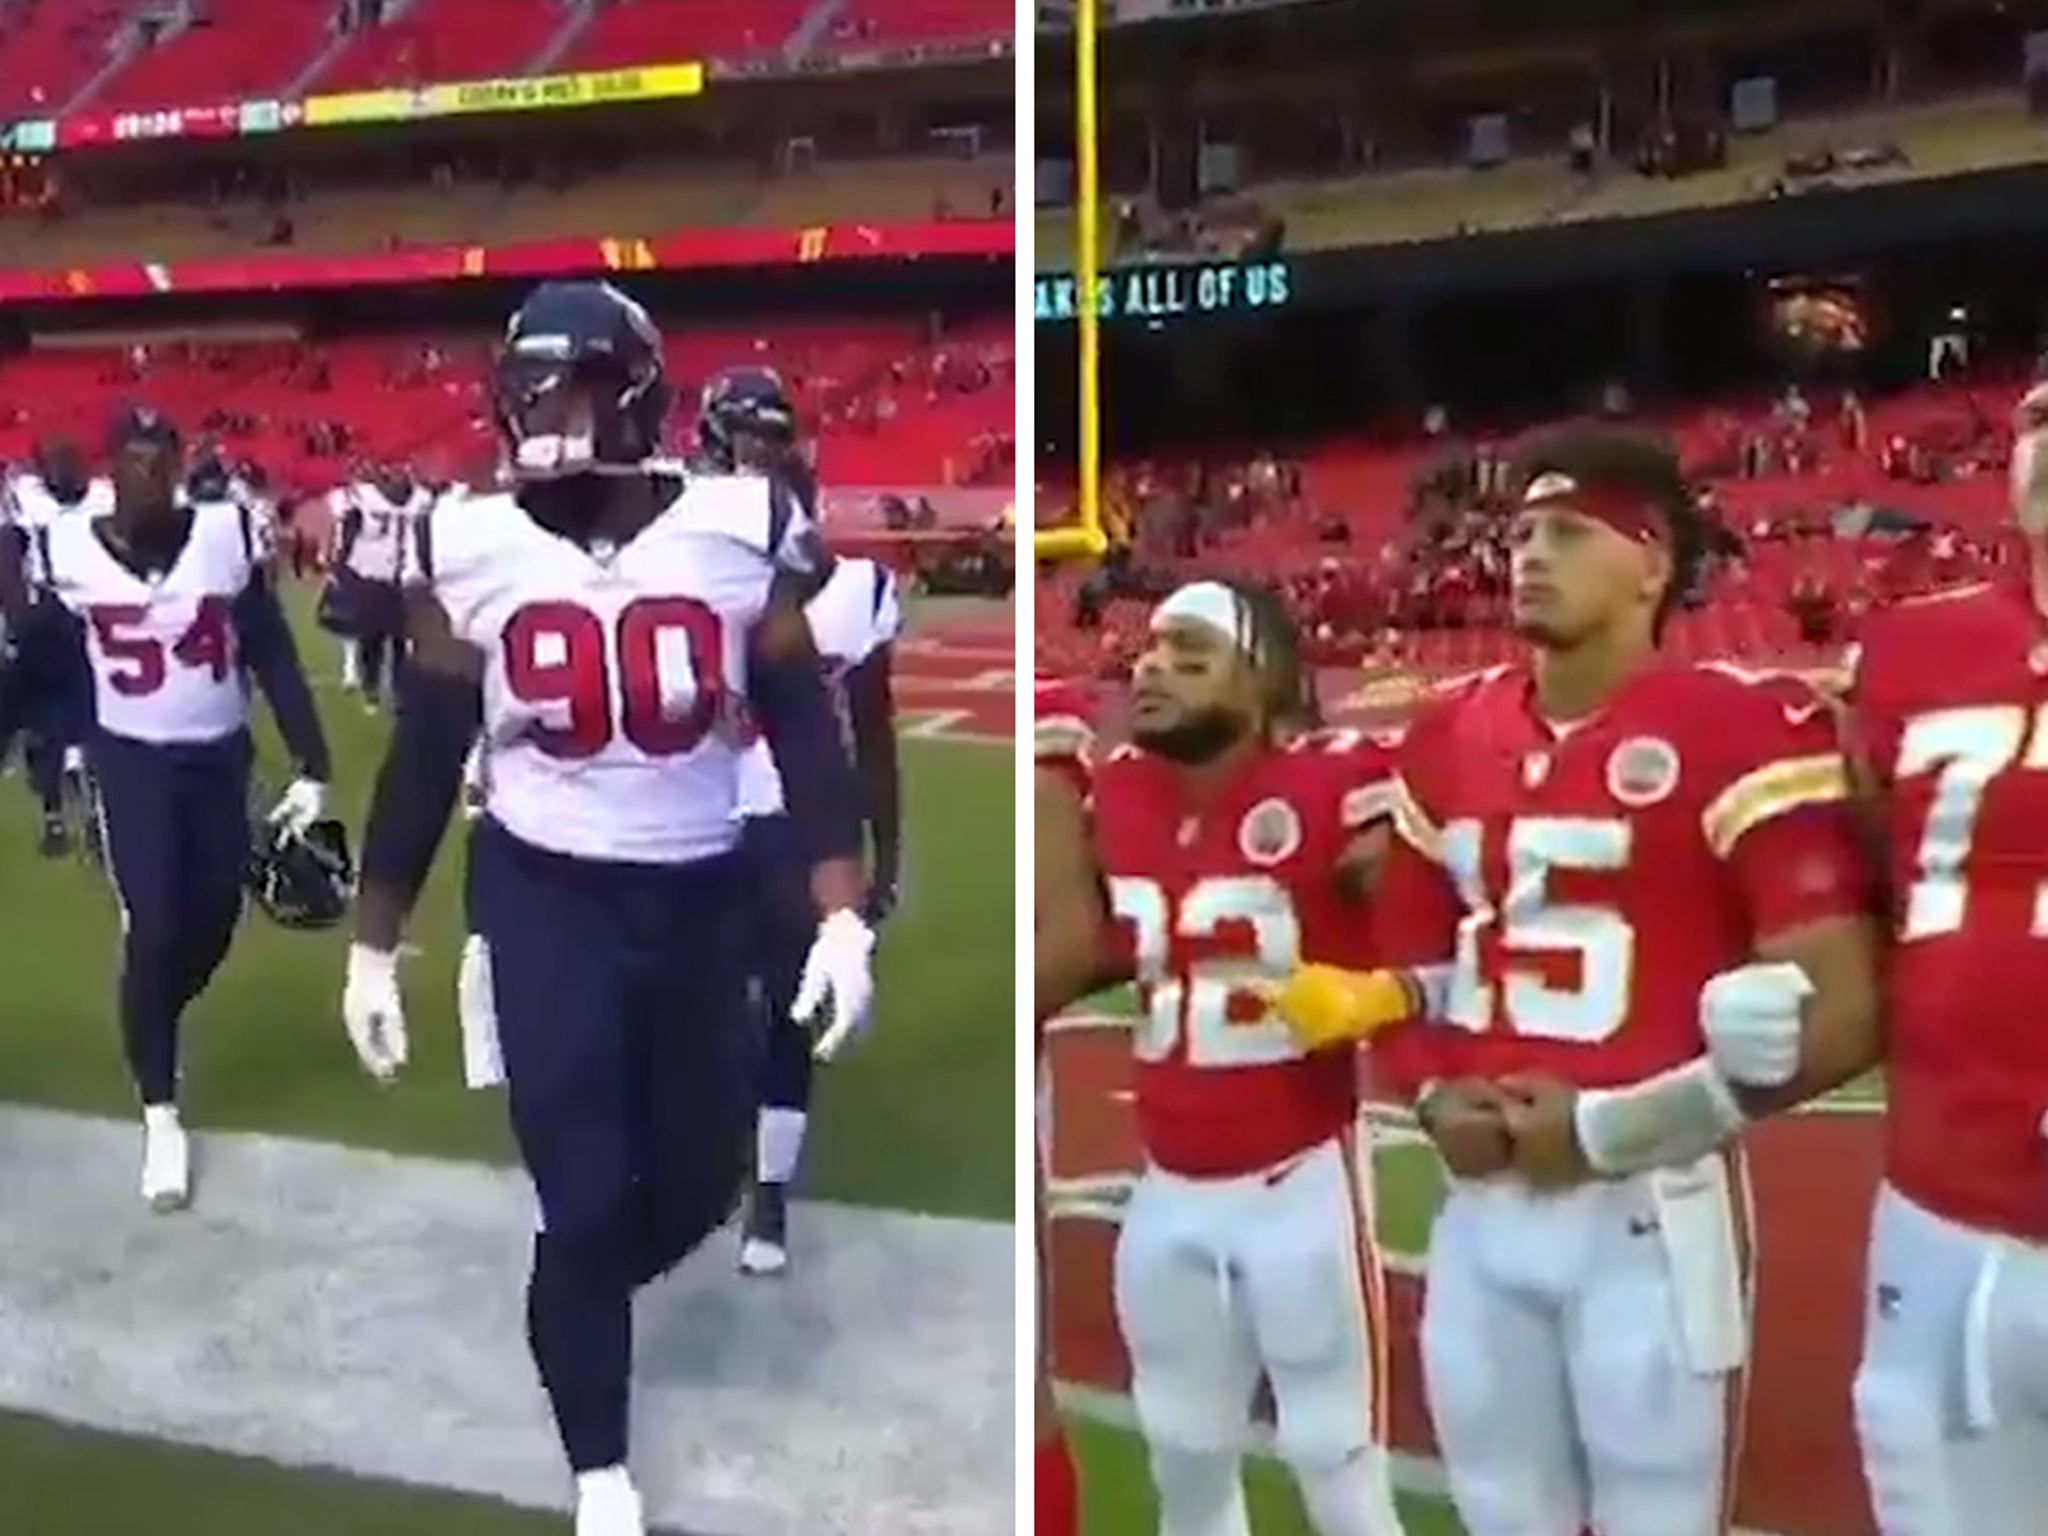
[[1950, 703], [1237, 888], [1584, 882]]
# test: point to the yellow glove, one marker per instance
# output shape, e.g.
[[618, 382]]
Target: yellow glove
[[1325, 1005]]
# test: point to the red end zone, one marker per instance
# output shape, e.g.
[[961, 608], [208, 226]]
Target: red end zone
[[1813, 1177], [957, 684]]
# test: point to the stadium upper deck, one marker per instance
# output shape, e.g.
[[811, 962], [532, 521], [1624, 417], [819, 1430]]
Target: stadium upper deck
[[1336, 129], [66, 56]]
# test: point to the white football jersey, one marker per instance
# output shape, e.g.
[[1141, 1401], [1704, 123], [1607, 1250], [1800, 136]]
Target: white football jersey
[[382, 550], [35, 510], [613, 680], [162, 650], [852, 616]]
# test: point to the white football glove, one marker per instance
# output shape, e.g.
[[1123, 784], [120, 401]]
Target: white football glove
[[1751, 1019], [304, 803], [838, 966], [374, 1011]]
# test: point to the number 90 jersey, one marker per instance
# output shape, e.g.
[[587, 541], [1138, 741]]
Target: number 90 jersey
[[1221, 896], [1585, 881], [1949, 700], [612, 679]]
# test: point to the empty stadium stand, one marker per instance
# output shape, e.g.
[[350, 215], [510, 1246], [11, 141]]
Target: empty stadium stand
[[1352, 592], [891, 407]]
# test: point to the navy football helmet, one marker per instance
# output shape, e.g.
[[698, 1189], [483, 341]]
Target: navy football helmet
[[302, 880], [60, 465], [580, 386], [745, 420]]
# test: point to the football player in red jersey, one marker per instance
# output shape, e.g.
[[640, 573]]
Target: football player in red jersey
[[1609, 877], [1949, 709], [1070, 919], [1230, 841]]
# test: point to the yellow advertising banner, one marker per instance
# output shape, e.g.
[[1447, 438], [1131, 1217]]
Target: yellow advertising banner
[[541, 93]]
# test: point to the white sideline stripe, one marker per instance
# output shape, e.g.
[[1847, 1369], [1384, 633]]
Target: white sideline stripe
[[1421, 1476], [322, 1306]]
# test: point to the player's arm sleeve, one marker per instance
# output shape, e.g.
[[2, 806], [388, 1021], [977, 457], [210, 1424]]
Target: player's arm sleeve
[[439, 715], [1077, 948], [820, 790], [796, 541], [348, 527], [266, 642], [45, 671], [1787, 832], [1415, 910], [871, 707]]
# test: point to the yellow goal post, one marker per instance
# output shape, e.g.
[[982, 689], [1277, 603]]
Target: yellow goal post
[[1085, 535]]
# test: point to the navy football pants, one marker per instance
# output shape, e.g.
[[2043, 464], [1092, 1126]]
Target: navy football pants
[[785, 924], [631, 1060], [174, 819]]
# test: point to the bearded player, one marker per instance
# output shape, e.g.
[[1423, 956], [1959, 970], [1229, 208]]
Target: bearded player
[[616, 620], [1949, 707], [1233, 845], [158, 611], [1604, 867], [1071, 917], [747, 426]]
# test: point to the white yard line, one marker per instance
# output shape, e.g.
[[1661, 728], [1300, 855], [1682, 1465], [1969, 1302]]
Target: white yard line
[[331, 1307]]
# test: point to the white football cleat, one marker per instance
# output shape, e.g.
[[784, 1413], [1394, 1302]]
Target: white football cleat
[[166, 1159], [607, 1504], [764, 1235]]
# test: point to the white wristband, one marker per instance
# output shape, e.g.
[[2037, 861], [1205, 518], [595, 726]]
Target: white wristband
[[1664, 1121]]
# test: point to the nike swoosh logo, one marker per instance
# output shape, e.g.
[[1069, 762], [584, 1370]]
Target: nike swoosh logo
[[1801, 715]]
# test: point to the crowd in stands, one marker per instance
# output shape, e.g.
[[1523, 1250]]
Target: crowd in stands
[[1817, 505], [898, 406]]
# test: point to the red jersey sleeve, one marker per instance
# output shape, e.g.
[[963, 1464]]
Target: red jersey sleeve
[[1063, 739], [1416, 908], [1779, 817]]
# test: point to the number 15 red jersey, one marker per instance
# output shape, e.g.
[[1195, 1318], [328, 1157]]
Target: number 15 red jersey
[[1236, 888], [1583, 882]]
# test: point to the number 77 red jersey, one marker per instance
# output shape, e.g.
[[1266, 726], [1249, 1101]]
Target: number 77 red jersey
[[1949, 702], [1222, 892], [1578, 884]]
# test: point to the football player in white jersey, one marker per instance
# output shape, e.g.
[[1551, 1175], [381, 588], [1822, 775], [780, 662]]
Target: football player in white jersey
[[607, 623], [157, 612], [375, 517], [58, 485], [746, 425]]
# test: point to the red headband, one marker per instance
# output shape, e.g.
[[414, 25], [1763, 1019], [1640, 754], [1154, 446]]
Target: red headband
[[1627, 513]]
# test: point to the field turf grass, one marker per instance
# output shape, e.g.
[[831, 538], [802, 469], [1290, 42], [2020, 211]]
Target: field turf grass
[[918, 1119]]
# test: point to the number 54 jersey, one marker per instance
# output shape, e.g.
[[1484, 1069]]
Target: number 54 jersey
[[1949, 700], [612, 676], [1222, 895], [1580, 883]]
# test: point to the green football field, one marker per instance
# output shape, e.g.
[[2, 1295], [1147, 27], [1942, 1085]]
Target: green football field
[[919, 1119]]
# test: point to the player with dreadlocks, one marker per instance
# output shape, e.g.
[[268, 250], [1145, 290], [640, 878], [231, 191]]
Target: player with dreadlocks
[[1612, 876], [1228, 838]]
